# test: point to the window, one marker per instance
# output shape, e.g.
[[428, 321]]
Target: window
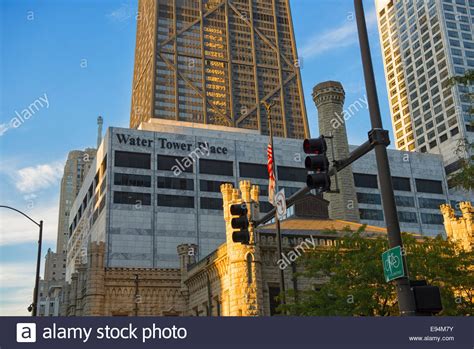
[[294, 174], [404, 201], [372, 215], [407, 217], [366, 198], [211, 186], [253, 170], [175, 183], [273, 293], [265, 206], [132, 180], [429, 218], [289, 191], [172, 163], [401, 183], [211, 204], [249, 268], [129, 198], [132, 160], [216, 167], [365, 180], [429, 186], [175, 201], [430, 203], [452, 167]]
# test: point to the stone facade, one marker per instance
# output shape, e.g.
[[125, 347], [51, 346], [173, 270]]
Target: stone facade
[[329, 99], [234, 280], [460, 229]]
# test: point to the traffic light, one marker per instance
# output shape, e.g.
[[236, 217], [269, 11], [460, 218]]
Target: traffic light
[[427, 297], [318, 163], [240, 223]]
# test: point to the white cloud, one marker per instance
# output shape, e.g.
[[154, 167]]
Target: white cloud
[[17, 275], [16, 229], [336, 38], [16, 301], [121, 14], [16, 288], [31, 179], [4, 128]]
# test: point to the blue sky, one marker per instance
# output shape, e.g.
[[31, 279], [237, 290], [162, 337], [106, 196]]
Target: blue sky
[[76, 57]]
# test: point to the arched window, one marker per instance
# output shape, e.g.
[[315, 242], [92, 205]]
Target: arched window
[[249, 268]]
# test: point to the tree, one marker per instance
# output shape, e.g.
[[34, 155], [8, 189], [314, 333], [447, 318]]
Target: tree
[[464, 177], [349, 279]]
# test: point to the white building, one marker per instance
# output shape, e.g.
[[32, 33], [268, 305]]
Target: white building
[[424, 43], [420, 187], [152, 189]]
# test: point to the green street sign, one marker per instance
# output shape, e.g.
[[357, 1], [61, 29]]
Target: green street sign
[[393, 264]]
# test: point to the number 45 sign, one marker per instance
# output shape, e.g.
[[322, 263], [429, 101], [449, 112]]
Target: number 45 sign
[[393, 264]]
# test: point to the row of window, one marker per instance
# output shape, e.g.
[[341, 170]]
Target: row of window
[[144, 199], [92, 195], [144, 181], [206, 166], [400, 183], [402, 201], [403, 217]]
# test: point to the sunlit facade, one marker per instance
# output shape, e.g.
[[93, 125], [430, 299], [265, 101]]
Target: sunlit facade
[[424, 43], [215, 61]]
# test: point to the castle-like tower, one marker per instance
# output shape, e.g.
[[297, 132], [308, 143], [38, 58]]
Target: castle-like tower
[[329, 98], [244, 261], [460, 229]]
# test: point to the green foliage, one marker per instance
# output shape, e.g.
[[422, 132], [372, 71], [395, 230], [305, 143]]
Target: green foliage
[[464, 177], [466, 79], [349, 279]]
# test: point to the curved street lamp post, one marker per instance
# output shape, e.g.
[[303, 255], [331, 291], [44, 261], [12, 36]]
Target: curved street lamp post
[[33, 307]]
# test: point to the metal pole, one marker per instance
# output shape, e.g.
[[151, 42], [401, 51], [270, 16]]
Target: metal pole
[[33, 305], [38, 267], [268, 107], [406, 301]]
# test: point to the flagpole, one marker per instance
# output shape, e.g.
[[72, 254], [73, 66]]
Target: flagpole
[[268, 108]]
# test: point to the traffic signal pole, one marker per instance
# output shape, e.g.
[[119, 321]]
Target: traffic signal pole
[[406, 300], [268, 108]]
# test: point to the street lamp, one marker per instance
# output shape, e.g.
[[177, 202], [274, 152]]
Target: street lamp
[[33, 306]]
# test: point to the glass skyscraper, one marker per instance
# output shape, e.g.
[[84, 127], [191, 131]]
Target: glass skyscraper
[[424, 43], [214, 62]]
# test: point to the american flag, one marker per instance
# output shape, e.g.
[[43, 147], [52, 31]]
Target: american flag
[[271, 175]]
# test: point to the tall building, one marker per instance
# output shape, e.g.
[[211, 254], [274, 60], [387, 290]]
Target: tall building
[[215, 61], [75, 170], [424, 43], [76, 167]]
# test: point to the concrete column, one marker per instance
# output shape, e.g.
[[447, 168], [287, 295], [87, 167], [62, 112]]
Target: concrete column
[[329, 98]]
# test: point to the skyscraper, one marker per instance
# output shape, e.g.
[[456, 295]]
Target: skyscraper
[[75, 170], [215, 61], [424, 43], [77, 164]]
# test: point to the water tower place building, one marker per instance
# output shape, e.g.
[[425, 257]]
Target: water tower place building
[[150, 191], [156, 187]]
